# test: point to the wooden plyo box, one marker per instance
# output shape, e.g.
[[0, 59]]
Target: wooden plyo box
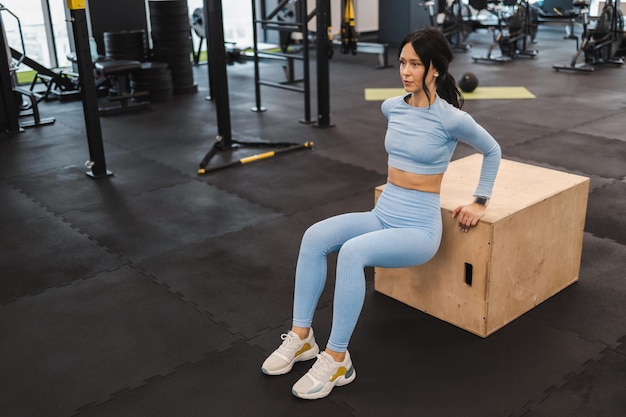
[[526, 248]]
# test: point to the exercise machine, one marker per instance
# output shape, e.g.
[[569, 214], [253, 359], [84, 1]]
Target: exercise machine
[[513, 34], [456, 22], [27, 100], [566, 12], [9, 111], [600, 44], [61, 85]]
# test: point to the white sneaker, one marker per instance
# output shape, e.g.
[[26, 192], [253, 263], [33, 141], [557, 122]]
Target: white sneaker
[[292, 350], [323, 376]]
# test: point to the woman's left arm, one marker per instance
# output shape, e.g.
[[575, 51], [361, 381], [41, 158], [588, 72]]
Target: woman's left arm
[[475, 135]]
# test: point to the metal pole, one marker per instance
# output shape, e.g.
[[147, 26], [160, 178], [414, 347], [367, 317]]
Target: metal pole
[[323, 76], [257, 77], [96, 162], [47, 23], [219, 76], [305, 63]]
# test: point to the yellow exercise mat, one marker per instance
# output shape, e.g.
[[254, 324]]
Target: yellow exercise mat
[[481, 93]]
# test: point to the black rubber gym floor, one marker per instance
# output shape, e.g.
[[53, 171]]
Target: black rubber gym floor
[[158, 292]]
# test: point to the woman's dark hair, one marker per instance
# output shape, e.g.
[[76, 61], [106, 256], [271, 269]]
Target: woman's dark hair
[[433, 48]]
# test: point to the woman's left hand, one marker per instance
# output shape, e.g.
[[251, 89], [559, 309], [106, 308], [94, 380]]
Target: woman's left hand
[[468, 215]]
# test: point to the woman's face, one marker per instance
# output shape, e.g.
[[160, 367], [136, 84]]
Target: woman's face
[[412, 72]]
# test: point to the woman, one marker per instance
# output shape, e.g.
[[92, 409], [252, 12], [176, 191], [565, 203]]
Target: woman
[[404, 228]]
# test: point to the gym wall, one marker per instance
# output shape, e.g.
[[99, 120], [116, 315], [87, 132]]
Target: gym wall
[[397, 18]]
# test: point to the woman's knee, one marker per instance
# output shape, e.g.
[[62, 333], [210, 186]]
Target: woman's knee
[[353, 253], [314, 233], [316, 239]]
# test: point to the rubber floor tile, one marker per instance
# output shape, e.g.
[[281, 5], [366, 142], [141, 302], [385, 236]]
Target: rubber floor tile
[[598, 391], [226, 383], [367, 154], [17, 207], [79, 344], [609, 127], [605, 212], [49, 134], [361, 201], [244, 279], [510, 133], [419, 365], [46, 252], [295, 182], [167, 219], [548, 111], [132, 174], [157, 129], [594, 306], [22, 156], [587, 154]]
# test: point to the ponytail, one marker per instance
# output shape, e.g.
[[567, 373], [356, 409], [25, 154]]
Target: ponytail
[[448, 90]]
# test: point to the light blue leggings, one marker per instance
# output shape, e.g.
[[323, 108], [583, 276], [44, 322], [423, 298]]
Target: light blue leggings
[[404, 229]]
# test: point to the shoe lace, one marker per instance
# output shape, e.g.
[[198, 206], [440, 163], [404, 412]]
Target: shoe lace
[[290, 343], [323, 367]]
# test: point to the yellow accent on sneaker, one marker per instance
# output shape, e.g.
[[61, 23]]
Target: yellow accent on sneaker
[[305, 347], [340, 372], [323, 376], [292, 350]]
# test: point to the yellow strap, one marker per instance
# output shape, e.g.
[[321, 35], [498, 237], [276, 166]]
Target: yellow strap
[[75, 4], [349, 12]]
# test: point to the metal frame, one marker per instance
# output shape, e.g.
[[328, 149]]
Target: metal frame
[[218, 81], [267, 22]]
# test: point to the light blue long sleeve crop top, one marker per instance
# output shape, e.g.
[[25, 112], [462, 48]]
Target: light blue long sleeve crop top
[[422, 140]]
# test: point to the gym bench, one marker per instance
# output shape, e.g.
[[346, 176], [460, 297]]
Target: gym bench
[[118, 72]]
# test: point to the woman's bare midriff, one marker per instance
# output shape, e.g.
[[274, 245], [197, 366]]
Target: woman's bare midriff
[[419, 182]]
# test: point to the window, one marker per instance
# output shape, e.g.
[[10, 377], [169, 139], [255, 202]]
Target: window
[[44, 30], [237, 21]]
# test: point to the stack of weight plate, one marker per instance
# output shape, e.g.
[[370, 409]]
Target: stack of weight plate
[[130, 45], [156, 79], [171, 41]]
